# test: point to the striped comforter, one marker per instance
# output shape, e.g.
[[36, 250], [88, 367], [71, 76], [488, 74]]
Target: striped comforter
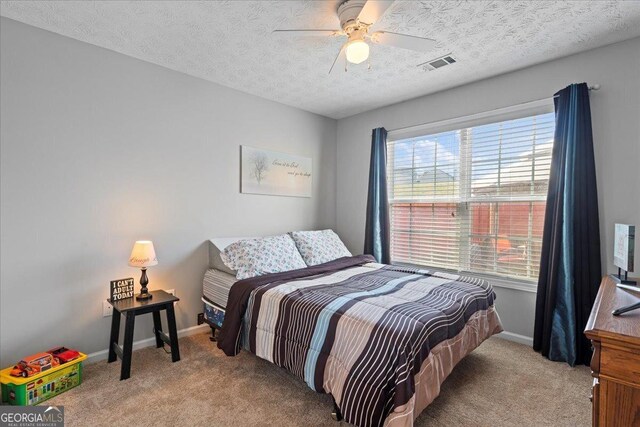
[[352, 327]]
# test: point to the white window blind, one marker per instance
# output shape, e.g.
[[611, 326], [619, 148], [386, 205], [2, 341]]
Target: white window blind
[[472, 199]]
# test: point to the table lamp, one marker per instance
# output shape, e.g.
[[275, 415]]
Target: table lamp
[[143, 255]]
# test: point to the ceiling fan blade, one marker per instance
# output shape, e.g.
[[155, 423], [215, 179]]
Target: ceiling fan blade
[[309, 32], [404, 41], [341, 58], [373, 10]]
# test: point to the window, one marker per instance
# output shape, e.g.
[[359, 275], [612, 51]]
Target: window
[[472, 199]]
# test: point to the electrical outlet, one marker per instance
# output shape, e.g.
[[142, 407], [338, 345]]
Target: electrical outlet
[[107, 309], [200, 318]]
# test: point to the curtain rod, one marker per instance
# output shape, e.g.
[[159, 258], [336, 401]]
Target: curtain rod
[[591, 87]]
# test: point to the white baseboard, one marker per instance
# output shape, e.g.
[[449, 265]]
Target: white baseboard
[[148, 342], [520, 339]]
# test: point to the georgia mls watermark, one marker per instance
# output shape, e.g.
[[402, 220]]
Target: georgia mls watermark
[[31, 416]]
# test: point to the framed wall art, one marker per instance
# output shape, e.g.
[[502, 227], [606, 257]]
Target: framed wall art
[[274, 173]]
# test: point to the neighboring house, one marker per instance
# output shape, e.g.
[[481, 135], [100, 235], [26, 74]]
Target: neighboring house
[[505, 213]]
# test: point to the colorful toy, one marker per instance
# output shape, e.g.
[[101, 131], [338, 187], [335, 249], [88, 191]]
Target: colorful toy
[[34, 364], [64, 354]]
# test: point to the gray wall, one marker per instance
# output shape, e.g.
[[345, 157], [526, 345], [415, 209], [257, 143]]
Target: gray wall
[[616, 130], [99, 149]]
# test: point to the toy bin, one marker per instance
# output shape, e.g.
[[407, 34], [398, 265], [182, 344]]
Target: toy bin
[[43, 386]]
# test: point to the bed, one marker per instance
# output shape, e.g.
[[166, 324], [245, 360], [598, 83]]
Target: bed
[[216, 284], [215, 293], [380, 339]]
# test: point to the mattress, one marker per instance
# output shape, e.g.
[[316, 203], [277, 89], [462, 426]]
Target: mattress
[[216, 286]]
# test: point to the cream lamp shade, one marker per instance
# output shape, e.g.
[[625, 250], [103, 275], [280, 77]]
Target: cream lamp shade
[[143, 254]]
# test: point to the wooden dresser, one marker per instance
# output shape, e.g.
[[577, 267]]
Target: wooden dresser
[[615, 364]]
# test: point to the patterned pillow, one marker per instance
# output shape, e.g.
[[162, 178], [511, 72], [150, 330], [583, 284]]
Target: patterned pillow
[[317, 247], [255, 257]]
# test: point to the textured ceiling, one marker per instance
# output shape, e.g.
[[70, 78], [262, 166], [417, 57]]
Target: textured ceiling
[[230, 42]]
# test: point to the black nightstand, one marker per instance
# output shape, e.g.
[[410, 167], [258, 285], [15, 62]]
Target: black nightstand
[[130, 308]]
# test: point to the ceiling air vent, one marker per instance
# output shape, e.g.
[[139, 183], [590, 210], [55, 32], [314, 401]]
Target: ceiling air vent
[[438, 63]]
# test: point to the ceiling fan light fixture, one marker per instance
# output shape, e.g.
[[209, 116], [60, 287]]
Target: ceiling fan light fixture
[[357, 51]]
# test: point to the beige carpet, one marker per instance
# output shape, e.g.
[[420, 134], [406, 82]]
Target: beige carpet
[[499, 384]]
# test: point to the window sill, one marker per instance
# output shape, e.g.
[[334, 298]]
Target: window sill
[[496, 281], [503, 282]]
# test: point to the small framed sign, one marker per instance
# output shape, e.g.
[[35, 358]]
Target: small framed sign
[[121, 289], [624, 246]]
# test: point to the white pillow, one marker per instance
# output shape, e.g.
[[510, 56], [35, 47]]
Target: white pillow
[[318, 247], [216, 246], [255, 257]]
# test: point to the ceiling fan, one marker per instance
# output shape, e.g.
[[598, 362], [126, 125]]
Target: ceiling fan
[[357, 19]]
